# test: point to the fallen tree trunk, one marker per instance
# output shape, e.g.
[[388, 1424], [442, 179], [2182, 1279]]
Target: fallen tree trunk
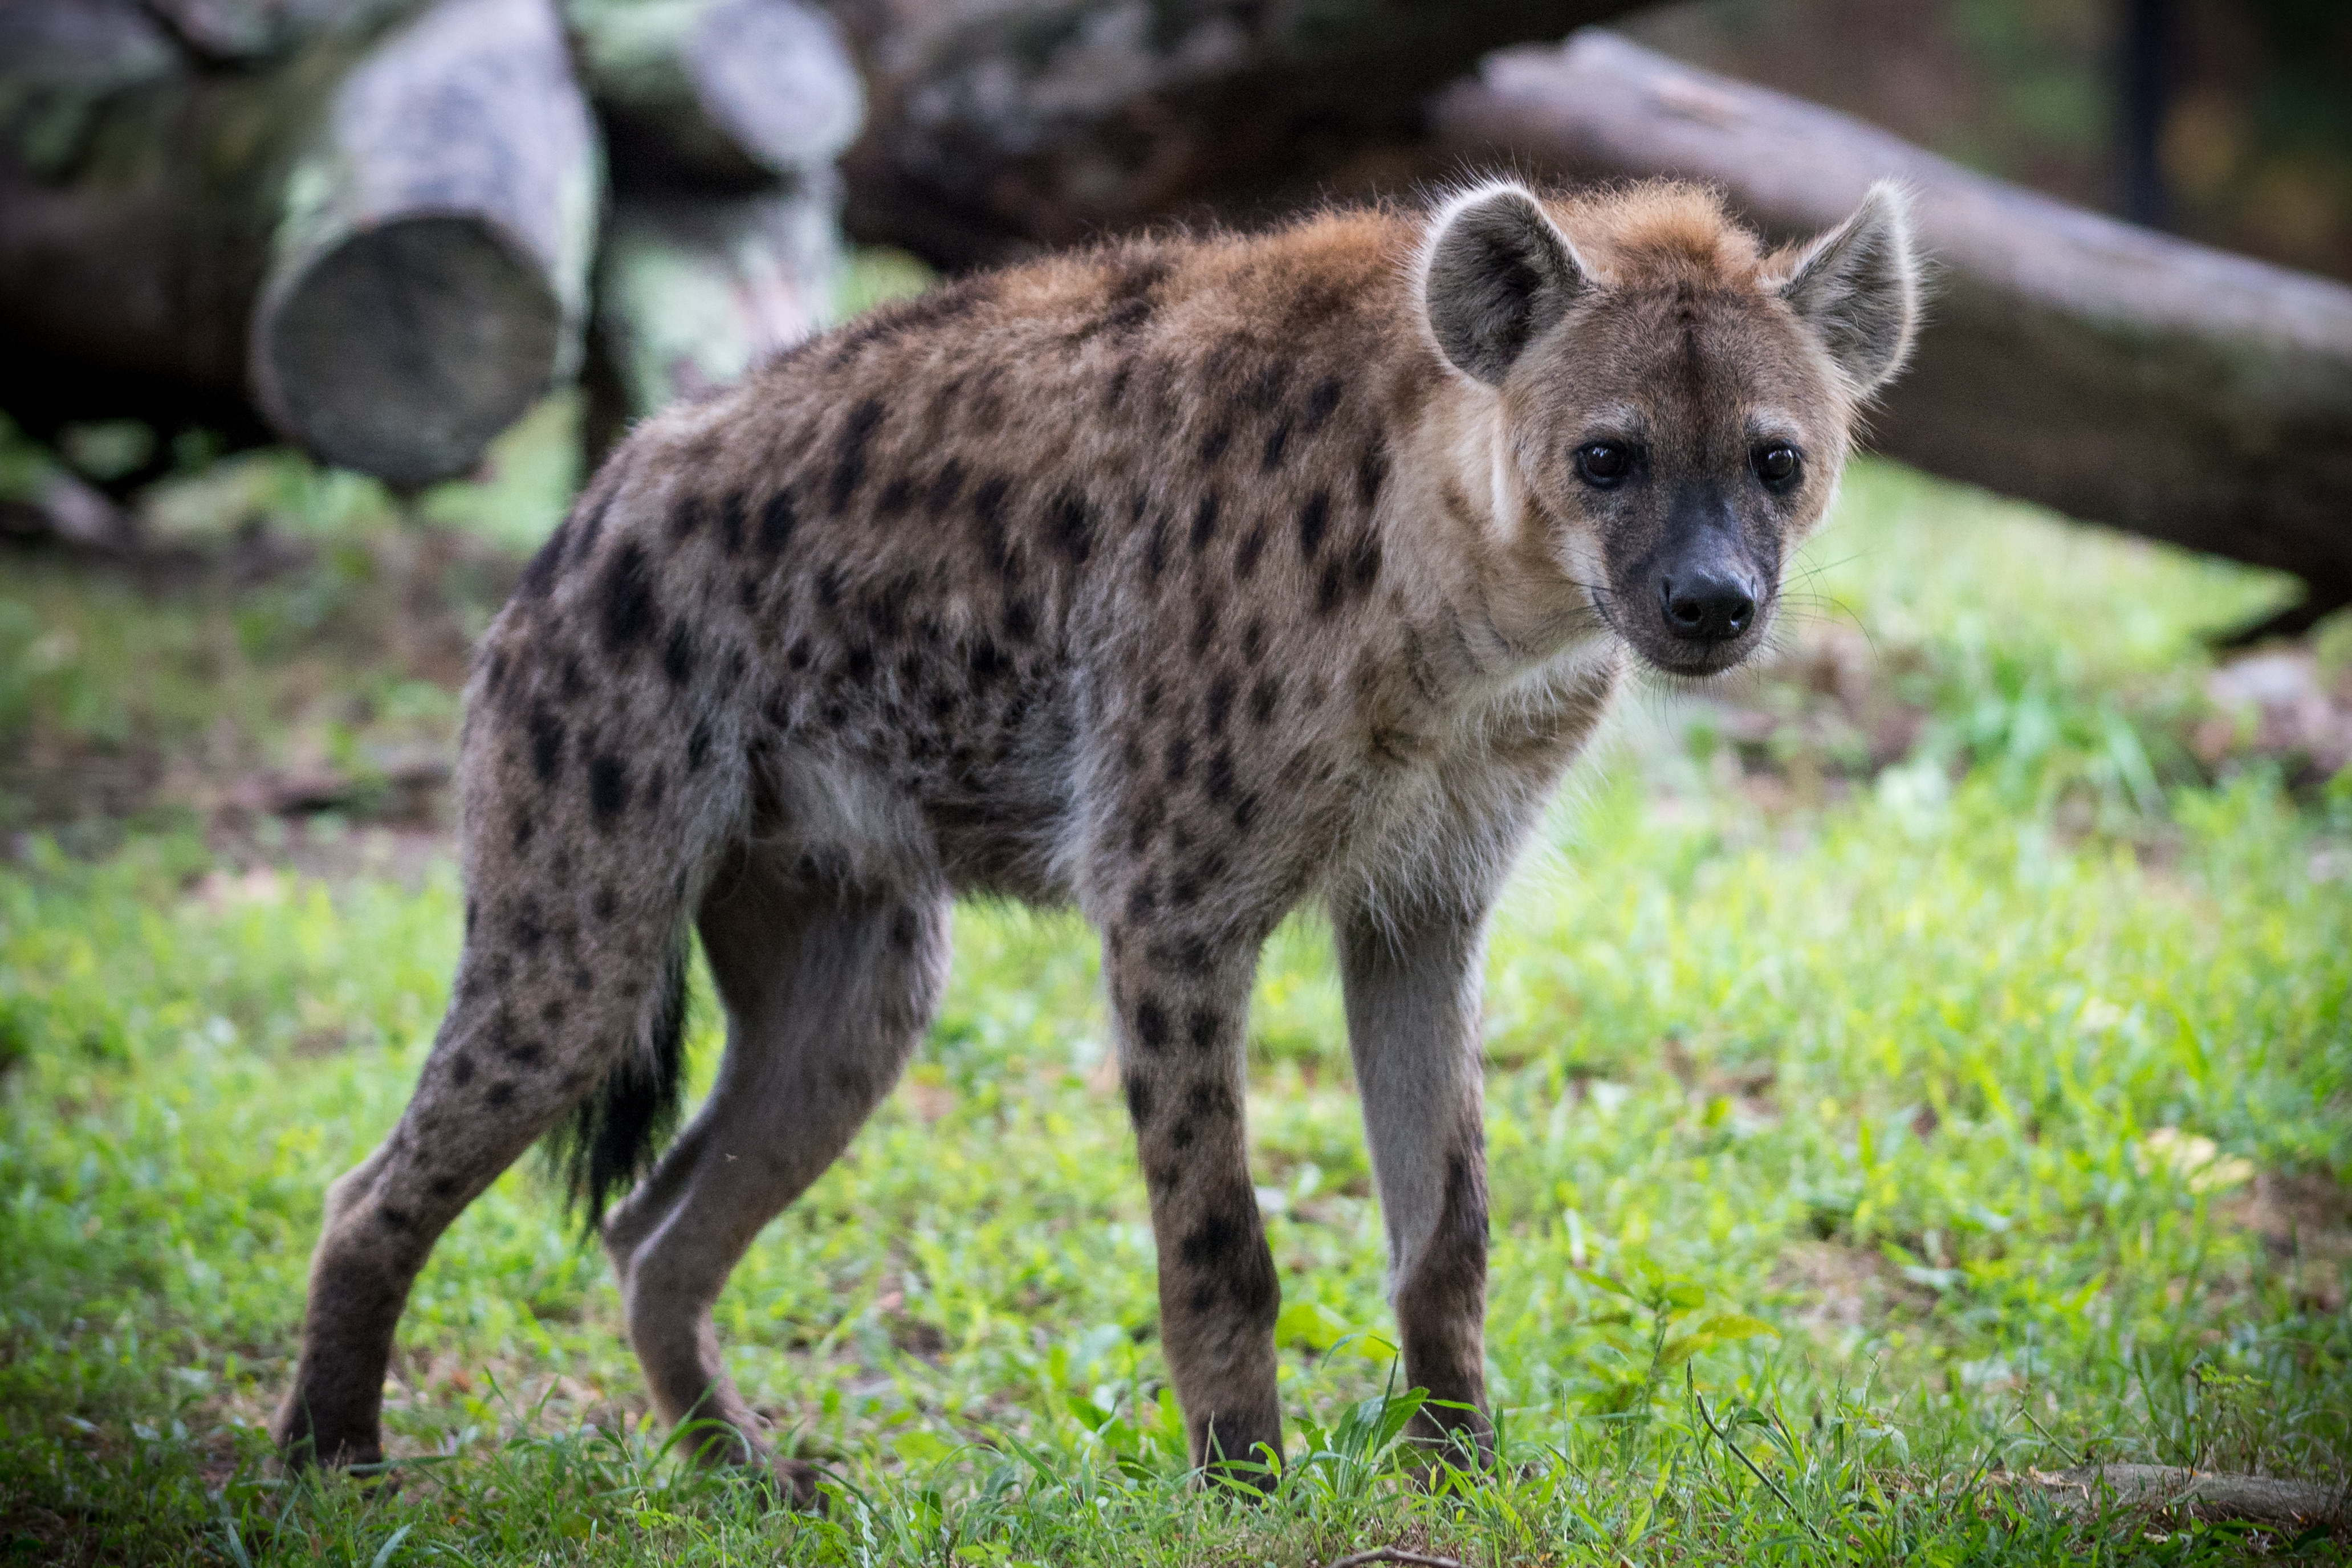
[[691, 291], [2260, 1500], [997, 129], [2113, 373]]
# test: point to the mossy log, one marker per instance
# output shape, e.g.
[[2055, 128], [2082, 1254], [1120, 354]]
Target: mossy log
[[2114, 373], [998, 128]]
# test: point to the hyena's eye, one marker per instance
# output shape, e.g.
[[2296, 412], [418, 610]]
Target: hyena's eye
[[1603, 464], [1775, 462]]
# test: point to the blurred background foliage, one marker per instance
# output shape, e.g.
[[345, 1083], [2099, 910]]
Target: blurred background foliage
[[2253, 128]]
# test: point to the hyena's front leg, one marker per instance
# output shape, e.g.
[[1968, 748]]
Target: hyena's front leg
[[1181, 1000], [1413, 1027]]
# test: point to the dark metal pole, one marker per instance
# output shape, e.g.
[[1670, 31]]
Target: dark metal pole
[[2143, 94]]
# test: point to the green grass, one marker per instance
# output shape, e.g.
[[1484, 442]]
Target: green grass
[[1867, 1127]]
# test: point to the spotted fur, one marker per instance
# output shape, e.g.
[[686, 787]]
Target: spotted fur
[[1191, 582]]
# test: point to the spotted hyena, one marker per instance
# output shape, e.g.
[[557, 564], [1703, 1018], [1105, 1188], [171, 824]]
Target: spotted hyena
[[1189, 581]]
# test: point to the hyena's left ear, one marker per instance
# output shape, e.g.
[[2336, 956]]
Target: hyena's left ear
[[1498, 273], [1858, 287]]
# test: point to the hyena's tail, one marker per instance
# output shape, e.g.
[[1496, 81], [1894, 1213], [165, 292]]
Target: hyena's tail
[[610, 1141]]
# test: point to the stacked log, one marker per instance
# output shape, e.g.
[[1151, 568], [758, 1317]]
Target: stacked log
[[369, 223], [367, 227]]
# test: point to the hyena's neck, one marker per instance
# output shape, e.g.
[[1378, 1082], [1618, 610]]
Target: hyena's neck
[[1483, 561]]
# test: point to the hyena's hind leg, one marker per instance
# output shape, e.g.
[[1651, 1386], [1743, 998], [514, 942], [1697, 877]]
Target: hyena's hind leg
[[527, 1036], [578, 872], [827, 991]]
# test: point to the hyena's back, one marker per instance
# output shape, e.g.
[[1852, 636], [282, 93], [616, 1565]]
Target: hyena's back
[[893, 583]]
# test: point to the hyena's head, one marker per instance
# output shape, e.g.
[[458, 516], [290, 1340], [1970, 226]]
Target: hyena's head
[[1677, 402]]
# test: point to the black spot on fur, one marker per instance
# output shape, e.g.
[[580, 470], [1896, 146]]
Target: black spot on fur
[[461, 1070], [592, 520], [1203, 1029], [1328, 592], [499, 1095], [1321, 402], [1371, 471], [698, 747], [1220, 775], [946, 486], [1020, 620], [393, 1218], [539, 577], [1205, 522], [1141, 902], [828, 587], [1220, 706], [608, 790], [546, 743], [1074, 526], [777, 520], [797, 656], [1205, 627], [625, 610], [1276, 440], [1246, 558], [1138, 1101], [730, 522], [1264, 696], [677, 655], [895, 498], [1151, 1025], [1213, 1242], [1244, 813], [1213, 444], [1364, 562], [1314, 519], [849, 462], [988, 512], [1155, 554], [1180, 758]]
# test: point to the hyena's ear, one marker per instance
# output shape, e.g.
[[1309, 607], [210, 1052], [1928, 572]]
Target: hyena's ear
[[1498, 273], [1858, 287]]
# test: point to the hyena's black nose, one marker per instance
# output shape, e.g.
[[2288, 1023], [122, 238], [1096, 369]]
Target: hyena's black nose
[[1707, 606]]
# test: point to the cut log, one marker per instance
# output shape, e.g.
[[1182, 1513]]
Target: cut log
[[999, 129], [429, 278], [691, 291], [376, 228], [2115, 374], [727, 94]]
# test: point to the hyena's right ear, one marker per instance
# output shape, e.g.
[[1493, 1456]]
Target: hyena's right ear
[[1858, 287], [1498, 273]]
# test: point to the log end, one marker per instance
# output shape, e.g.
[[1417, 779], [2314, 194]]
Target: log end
[[401, 349]]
